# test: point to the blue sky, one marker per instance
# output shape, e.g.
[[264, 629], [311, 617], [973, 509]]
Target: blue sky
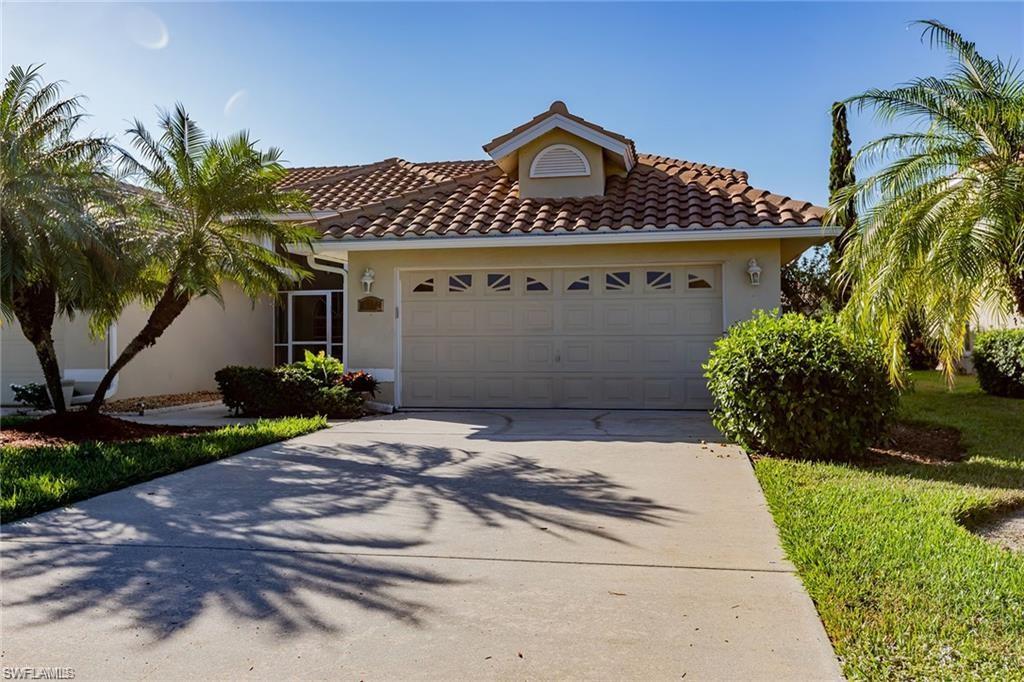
[[733, 84]]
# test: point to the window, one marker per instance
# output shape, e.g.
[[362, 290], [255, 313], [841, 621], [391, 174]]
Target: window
[[308, 320], [459, 283], [696, 282], [581, 283], [499, 281], [424, 287], [559, 161], [659, 280], [616, 281], [534, 284]]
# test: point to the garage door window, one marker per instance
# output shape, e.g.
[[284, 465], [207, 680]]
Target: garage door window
[[617, 281], [499, 282], [581, 283], [659, 280], [458, 284], [536, 285], [424, 287]]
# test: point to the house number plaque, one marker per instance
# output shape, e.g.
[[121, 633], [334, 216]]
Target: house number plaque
[[371, 304]]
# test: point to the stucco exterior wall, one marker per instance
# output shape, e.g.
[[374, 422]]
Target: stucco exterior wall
[[371, 336], [203, 339], [591, 185], [75, 350]]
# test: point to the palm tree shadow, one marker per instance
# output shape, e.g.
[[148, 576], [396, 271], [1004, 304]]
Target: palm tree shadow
[[281, 534]]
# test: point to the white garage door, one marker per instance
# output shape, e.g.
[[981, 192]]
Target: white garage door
[[622, 337]]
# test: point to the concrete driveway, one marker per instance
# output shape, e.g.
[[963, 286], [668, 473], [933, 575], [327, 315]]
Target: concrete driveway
[[438, 545]]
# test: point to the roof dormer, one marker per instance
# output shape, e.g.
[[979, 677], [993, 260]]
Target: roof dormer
[[558, 155]]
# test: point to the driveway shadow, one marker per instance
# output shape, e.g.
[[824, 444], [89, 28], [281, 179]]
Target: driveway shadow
[[277, 536]]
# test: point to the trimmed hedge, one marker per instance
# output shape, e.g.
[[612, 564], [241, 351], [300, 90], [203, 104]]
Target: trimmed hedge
[[314, 386], [796, 386], [999, 361]]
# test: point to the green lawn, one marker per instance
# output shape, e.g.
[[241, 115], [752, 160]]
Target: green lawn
[[33, 480], [904, 590]]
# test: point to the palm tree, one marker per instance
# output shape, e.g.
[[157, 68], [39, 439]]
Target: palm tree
[[209, 221], [940, 231], [56, 199]]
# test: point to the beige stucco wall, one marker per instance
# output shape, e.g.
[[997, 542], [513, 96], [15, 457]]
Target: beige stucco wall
[[203, 339], [592, 185], [76, 349], [371, 336]]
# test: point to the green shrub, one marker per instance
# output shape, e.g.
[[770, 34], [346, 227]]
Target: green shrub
[[792, 385], [999, 361], [33, 395], [314, 386], [248, 390]]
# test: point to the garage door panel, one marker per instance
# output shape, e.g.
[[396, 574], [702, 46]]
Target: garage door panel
[[538, 354], [618, 317], [578, 354], [498, 354], [600, 345], [420, 319], [537, 317], [459, 355], [578, 318]]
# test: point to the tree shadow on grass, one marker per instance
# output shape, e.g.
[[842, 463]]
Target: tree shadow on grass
[[283, 533]]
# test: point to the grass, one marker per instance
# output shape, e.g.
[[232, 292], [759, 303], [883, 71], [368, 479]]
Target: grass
[[33, 480], [904, 589]]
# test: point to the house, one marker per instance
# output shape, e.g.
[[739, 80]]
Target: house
[[566, 270]]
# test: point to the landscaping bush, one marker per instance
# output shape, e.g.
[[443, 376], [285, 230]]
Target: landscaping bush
[[313, 386], [792, 385], [33, 395], [999, 361]]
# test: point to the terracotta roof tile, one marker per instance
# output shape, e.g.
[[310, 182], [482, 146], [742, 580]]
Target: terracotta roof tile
[[476, 198], [557, 108]]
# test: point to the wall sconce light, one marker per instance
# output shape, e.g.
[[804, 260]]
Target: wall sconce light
[[754, 272], [367, 280]]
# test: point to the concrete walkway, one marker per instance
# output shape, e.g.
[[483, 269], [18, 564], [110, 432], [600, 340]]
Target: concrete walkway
[[442, 545]]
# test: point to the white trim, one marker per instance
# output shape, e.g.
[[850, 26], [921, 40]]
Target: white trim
[[397, 386], [570, 126], [620, 236], [580, 156]]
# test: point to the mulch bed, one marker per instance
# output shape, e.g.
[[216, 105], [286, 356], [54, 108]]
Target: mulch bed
[[78, 427], [918, 444], [166, 400]]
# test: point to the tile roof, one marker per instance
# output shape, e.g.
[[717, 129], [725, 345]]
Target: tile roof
[[395, 198], [557, 108], [343, 187]]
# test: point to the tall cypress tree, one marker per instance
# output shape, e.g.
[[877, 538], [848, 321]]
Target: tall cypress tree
[[840, 175]]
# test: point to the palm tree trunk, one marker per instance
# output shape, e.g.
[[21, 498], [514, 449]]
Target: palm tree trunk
[[1017, 289], [165, 311], [35, 307]]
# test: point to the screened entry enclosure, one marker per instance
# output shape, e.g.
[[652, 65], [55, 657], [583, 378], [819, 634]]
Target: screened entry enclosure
[[308, 320]]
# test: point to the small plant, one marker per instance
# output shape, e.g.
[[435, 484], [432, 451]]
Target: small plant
[[797, 386], [999, 361], [32, 395], [360, 382], [323, 368]]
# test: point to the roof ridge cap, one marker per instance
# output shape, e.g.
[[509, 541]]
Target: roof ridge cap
[[352, 171]]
